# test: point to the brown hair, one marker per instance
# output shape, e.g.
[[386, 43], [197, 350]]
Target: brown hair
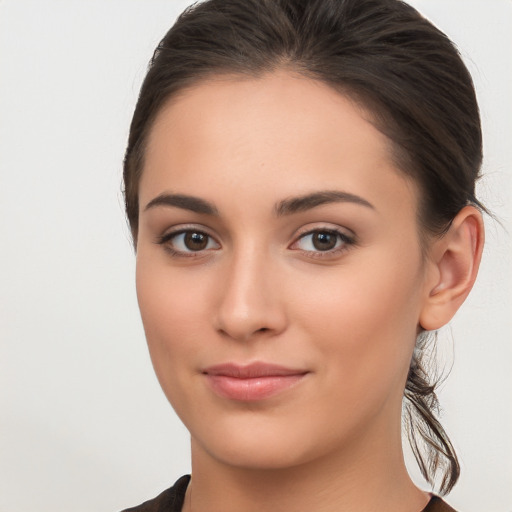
[[405, 72]]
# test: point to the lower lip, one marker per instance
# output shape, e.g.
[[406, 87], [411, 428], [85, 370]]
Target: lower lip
[[254, 388]]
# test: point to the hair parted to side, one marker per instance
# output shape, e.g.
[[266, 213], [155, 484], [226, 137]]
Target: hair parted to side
[[383, 54]]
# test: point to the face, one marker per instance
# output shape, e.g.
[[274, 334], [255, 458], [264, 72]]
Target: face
[[279, 271]]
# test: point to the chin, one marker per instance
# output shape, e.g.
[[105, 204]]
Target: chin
[[263, 443], [256, 455]]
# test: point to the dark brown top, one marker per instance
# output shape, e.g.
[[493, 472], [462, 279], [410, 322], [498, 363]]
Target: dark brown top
[[172, 499]]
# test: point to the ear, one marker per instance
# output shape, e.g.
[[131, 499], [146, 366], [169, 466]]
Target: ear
[[453, 263]]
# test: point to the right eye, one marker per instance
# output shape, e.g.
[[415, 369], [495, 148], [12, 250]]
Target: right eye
[[187, 242]]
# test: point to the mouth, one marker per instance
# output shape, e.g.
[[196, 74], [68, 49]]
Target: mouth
[[253, 382]]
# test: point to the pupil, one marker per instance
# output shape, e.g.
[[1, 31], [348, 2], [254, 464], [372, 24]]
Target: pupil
[[196, 241], [324, 241]]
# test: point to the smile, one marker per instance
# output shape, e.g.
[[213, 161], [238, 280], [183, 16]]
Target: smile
[[253, 382]]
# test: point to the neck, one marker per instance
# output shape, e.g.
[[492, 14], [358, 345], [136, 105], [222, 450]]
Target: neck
[[366, 477]]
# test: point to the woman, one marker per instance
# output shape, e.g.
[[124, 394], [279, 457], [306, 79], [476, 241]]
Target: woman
[[299, 182]]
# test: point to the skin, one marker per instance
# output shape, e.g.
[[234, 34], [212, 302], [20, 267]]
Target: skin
[[261, 291]]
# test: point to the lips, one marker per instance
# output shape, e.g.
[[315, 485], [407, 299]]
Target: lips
[[252, 382]]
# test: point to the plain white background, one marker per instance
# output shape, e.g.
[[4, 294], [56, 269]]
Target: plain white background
[[83, 423]]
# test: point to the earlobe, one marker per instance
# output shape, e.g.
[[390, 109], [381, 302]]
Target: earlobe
[[454, 262]]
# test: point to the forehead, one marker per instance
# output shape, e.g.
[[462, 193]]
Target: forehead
[[276, 135]]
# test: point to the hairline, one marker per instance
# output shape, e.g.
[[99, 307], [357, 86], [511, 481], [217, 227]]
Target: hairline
[[359, 99]]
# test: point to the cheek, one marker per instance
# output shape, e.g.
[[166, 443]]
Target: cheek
[[172, 308], [364, 319]]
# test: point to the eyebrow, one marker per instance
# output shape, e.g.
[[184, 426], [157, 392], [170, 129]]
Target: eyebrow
[[287, 206], [309, 201], [194, 204]]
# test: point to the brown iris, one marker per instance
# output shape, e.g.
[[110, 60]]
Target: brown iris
[[195, 241], [324, 240]]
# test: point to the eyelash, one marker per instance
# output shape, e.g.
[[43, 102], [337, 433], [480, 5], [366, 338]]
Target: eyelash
[[346, 242], [167, 237]]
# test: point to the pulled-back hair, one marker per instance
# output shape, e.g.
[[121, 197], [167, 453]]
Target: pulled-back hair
[[383, 54]]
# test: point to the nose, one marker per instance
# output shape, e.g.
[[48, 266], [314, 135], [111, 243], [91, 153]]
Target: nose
[[250, 299]]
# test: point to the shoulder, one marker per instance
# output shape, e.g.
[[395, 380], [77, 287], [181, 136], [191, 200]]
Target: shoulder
[[171, 500], [436, 504]]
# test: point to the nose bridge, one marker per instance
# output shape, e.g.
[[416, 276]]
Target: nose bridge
[[249, 296]]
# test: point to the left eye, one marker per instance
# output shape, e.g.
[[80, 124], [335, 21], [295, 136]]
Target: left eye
[[322, 241], [191, 241]]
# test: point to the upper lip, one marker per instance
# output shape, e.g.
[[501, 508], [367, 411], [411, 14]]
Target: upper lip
[[251, 371]]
